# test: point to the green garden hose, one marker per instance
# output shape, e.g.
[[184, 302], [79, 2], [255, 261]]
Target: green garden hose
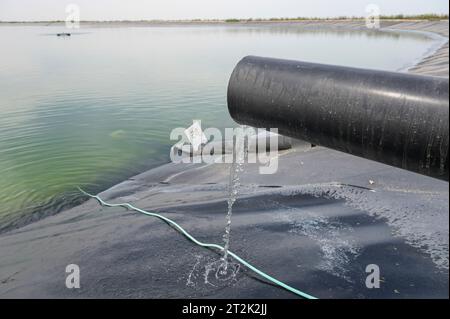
[[190, 237]]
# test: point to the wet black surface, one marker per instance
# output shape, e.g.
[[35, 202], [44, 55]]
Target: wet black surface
[[315, 237]]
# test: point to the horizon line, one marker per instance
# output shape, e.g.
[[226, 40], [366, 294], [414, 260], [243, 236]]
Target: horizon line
[[425, 16]]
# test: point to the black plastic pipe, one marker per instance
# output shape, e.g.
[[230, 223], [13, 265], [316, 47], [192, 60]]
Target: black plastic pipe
[[393, 118]]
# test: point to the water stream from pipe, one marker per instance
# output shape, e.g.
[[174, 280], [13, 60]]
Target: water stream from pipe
[[240, 149]]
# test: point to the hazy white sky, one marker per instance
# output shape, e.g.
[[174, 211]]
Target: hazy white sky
[[20, 10]]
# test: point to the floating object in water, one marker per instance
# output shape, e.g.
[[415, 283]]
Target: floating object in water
[[64, 34], [397, 119], [117, 134], [226, 147]]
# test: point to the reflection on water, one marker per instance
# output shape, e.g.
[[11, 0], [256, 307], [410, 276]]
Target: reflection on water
[[97, 107]]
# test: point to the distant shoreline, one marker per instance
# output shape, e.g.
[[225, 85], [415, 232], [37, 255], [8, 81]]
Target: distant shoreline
[[399, 18]]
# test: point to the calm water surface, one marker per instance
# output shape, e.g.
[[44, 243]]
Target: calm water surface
[[98, 107]]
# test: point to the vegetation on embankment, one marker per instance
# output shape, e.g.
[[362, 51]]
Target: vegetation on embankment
[[425, 16]]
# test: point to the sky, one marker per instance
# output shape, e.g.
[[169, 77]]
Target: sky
[[40, 10]]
